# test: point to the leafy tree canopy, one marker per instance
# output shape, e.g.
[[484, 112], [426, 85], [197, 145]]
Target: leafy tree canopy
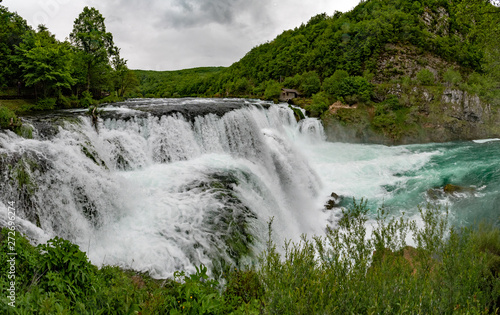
[[94, 44]]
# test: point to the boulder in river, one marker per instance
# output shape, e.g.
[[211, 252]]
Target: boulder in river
[[333, 202]]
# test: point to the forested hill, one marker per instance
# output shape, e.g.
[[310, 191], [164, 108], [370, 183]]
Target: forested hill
[[457, 31], [407, 71], [462, 34]]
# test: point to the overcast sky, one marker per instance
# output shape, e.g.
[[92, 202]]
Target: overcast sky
[[180, 34]]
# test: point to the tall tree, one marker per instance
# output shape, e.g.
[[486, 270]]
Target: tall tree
[[12, 29], [95, 46], [45, 62], [124, 79]]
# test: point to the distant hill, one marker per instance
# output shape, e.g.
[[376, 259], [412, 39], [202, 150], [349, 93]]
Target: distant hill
[[187, 82], [405, 68]]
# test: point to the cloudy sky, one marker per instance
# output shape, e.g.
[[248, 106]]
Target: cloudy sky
[[180, 34]]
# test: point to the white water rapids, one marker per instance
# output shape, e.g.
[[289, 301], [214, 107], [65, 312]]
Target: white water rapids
[[136, 194], [161, 193]]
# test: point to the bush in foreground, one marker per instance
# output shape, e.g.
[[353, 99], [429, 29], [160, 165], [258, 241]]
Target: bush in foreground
[[348, 271]]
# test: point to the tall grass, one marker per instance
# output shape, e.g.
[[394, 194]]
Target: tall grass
[[349, 271]]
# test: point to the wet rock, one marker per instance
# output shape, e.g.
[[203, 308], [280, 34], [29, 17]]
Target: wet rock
[[333, 202], [450, 189]]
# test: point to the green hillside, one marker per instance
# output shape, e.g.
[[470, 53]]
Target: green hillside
[[399, 71], [462, 34], [187, 82]]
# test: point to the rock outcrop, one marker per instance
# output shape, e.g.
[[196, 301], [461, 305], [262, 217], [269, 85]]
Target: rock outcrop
[[438, 112]]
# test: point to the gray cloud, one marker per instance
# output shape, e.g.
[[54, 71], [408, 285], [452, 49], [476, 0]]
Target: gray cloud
[[193, 13], [179, 34]]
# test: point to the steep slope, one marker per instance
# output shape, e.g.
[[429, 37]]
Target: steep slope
[[398, 71], [439, 59]]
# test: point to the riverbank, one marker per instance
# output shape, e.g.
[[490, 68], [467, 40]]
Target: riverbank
[[449, 270]]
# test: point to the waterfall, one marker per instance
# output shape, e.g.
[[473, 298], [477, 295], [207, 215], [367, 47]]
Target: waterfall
[[161, 193]]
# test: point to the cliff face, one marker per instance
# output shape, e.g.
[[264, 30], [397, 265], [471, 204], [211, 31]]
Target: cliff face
[[436, 112], [433, 115]]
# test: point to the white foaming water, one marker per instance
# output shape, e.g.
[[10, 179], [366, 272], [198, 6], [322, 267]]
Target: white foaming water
[[485, 140], [161, 194]]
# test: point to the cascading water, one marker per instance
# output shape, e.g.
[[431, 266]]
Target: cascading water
[[165, 193], [162, 190]]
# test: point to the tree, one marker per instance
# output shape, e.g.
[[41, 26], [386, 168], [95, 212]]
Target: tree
[[124, 79], [12, 29], [331, 85], [273, 90], [45, 62], [94, 44], [310, 82]]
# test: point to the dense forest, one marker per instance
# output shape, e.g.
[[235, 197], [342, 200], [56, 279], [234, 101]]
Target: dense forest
[[49, 74], [348, 57]]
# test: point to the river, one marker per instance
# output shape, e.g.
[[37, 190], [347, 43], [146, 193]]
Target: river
[[163, 190]]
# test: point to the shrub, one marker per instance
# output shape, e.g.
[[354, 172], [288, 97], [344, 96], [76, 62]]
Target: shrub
[[197, 295], [331, 85], [86, 99], [48, 103], [425, 77], [355, 89], [452, 77], [350, 271], [320, 104], [293, 82], [67, 269], [273, 90], [8, 120], [310, 83]]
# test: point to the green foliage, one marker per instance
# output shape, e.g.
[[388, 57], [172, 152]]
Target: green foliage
[[483, 85], [46, 63], [338, 273], [37, 64], [350, 89], [355, 89], [310, 83], [12, 29], [86, 100], [425, 77], [67, 270], [94, 44], [293, 82], [320, 104], [189, 82], [452, 77], [273, 90], [391, 117], [353, 42], [198, 294], [48, 103], [348, 271], [331, 85], [8, 119]]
